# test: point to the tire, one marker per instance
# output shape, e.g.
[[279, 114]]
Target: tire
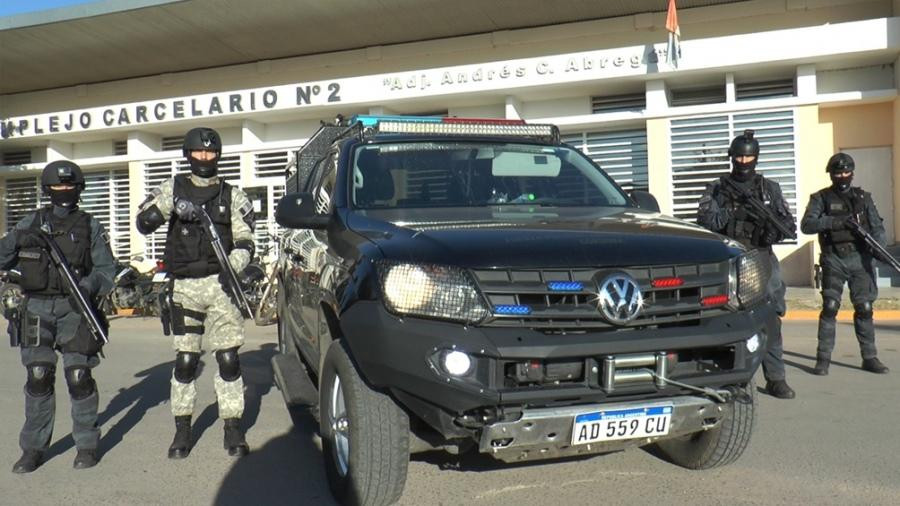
[[366, 463], [719, 446]]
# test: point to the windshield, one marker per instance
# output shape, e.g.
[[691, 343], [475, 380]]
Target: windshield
[[407, 175]]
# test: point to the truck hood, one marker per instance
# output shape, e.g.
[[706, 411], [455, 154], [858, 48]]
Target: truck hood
[[538, 237]]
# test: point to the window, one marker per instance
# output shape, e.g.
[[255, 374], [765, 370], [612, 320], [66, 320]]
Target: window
[[619, 103], [622, 154], [700, 154], [270, 163], [699, 96], [17, 157], [106, 197], [764, 90]]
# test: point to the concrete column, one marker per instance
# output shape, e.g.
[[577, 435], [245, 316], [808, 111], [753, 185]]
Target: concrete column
[[253, 133], [657, 96], [513, 108], [57, 150], [805, 81], [659, 163], [730, 93], [143, 144]]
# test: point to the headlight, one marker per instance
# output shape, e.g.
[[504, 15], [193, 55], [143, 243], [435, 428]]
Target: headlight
[[434, 291], [748, 279]]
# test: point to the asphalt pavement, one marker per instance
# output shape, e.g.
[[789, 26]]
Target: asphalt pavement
[[836, 443]]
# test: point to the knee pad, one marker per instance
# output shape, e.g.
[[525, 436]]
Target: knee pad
[[863, 310], [830, 308], [229, 364], [186, 366], [41, 378], [81, 384]]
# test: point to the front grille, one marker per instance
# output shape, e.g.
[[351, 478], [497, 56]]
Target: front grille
[[574, 310]]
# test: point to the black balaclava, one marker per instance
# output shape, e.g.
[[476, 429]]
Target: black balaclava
[[744, 145], [838, 163]]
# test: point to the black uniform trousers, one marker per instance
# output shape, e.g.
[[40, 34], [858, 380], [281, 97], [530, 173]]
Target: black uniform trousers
[[773, 359], [40, 411], [857, 271]]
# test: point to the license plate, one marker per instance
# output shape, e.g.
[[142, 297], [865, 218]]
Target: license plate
[[621, 424], [160, 277]]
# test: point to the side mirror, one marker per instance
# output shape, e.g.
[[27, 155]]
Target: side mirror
[[645, 200], [298, 210]]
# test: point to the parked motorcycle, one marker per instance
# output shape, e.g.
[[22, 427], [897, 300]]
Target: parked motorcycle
[[258, 282], [133, 289]]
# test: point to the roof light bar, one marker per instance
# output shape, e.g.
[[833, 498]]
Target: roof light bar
[[438, 125]]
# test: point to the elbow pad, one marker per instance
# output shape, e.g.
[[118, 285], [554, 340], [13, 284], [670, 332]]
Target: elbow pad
[[149, 219], [246, 244]]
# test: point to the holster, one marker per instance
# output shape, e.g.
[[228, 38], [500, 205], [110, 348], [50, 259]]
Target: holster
[[30, 329], [14, 317], [165, 308]]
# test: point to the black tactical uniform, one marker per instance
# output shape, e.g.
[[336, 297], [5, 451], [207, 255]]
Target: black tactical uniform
[[845, 259], [49, 323], [723, 211]]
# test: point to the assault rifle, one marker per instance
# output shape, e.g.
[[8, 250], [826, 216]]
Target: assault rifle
[[759, 209], [233, 286], [70, 285], [878, 251]]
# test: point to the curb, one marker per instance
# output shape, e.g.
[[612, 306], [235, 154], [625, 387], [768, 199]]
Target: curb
[[843, 316]]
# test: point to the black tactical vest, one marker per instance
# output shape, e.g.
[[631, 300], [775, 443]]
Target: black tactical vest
[[73, 235], [189, 252], [745, 231], [839, 204]]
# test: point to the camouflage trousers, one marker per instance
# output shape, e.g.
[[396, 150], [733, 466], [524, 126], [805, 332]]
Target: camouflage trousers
[[223, 328]]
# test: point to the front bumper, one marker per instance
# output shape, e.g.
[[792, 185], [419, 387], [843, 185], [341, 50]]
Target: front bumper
[[547, 432], [397, 354]]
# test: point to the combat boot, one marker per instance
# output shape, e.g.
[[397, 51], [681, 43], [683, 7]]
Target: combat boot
[[181, 445], [780, 389], [85, 459], [234, 438], [28, 462], [874, 365], [822, 363]]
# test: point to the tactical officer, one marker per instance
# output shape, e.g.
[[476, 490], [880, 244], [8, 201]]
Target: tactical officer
[[724, 210], [49, 322], [845, 259], [198, 306]]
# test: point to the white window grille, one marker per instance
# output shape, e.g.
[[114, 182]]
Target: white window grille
[[16, 157], [700, 154], [764, 90], [23, 195], [619, 103], [120, 148], [270, 163], [106, 197], [172, 143], [621, 153], [158, 171]]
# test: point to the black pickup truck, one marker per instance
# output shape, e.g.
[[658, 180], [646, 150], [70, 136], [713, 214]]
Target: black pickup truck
[[477, 285]]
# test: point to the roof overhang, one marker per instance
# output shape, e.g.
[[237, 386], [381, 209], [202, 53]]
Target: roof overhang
[[110, 40]]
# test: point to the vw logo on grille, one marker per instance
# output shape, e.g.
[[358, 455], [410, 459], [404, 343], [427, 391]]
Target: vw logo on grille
[[620, 298]]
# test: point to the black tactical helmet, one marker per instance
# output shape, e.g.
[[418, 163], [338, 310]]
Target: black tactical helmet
[[62, 172], [744, 145], [840, 162], [202, 139]]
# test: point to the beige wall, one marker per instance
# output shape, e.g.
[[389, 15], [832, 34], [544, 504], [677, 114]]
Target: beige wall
[[659, 165], [863, 126]]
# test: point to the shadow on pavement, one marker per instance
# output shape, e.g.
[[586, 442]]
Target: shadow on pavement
[[286, 470], [813, 359], [256, 369], [153, 390], [472, 461], [147, 393]]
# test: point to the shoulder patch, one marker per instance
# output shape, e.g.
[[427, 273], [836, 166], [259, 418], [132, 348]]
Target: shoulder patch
[[246, 208]]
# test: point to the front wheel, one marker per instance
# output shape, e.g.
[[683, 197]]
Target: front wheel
[[365, 435], [719, 446]]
